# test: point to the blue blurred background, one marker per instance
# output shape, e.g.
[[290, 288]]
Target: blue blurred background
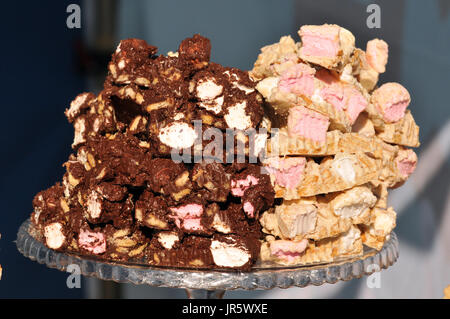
[[45, 65]]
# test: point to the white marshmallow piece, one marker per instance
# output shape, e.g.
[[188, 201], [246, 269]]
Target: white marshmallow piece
[[178, 135], [228, 255], [344, 167], [80, 128], [208, 90], [237, 118], [168, 239], [94, 205], [54, 236]]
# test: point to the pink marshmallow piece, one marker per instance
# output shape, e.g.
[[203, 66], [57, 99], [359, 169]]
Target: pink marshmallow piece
[[288, 172], [406, 162], [188, 210], [298, 79], [334, 94], [391, 99], [249, 209], [356, 103], [188, 216], [377, 54], [92, 241], [288, 250], [320, 41], [238, 187], [303, 122], [345, 98], [192, 224]]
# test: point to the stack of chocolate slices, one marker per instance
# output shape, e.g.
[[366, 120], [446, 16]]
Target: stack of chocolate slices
[[153, 177]]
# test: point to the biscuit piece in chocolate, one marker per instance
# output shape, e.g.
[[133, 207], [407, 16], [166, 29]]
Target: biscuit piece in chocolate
[[169, 178], [129, 61], [97, 209], [151, 211], [120, 157], [125, 243]]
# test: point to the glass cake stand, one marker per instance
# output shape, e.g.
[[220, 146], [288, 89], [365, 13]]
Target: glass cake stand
[[211, 284]]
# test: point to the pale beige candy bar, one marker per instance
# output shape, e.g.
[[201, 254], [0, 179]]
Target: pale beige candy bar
[[328, 224], [314, 220], [309, 218], [388, 169], [363, 125], [405, 132], [281, 144], [296, 218], [349, 244], [383, 221], [327, 45], [377, 52], [380, 190], [332, 175], [361, 70], [282, 101], [353, 203], [338, 211], [320, 217], [368, 78], [314, 253], [275, 58], [375, 117], [338, 119], [394, 173], [269, 223]]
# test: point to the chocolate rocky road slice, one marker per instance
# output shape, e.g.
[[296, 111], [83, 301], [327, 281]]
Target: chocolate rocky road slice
[[118, 159], [220, 251], [252, 184], [192, 215], [161, 82], [192, 143], [91, 116], [51, 219], [175, 124], [222, 97], [114, 190], [121, 241], [134, 61]]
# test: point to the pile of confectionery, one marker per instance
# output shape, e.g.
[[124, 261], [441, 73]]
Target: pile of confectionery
[[338, 143], [153, 179], [132, 190]]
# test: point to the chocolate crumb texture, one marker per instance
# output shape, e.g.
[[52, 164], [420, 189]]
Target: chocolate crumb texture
[[124, 197]]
